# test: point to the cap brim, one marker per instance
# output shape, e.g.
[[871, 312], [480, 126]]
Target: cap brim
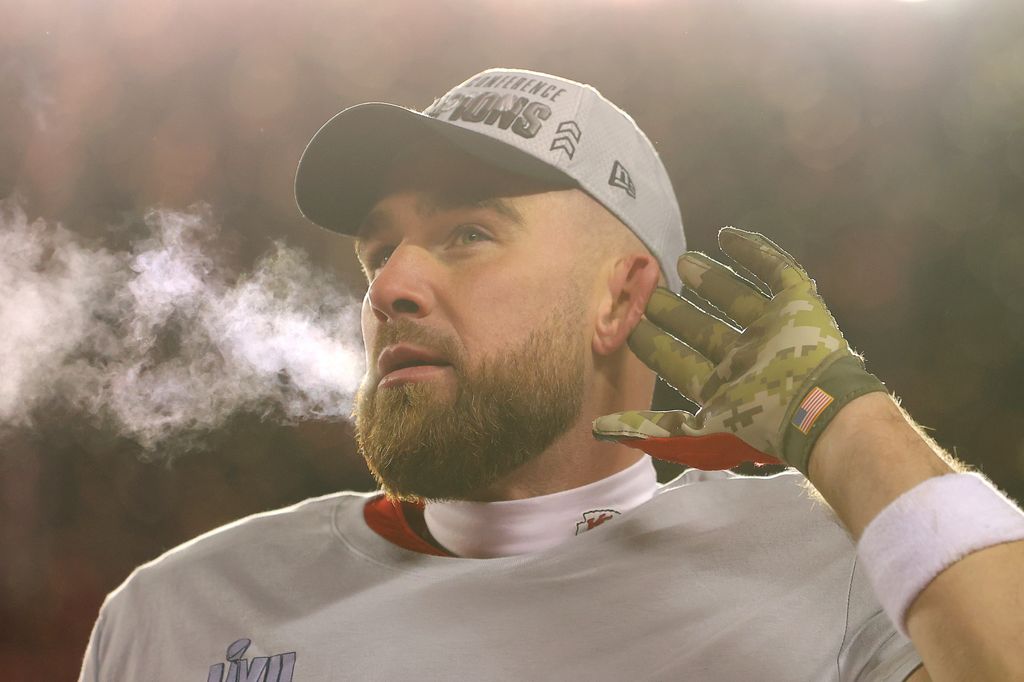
[[340, 173]]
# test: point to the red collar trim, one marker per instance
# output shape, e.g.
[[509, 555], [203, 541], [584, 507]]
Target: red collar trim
[[392, 521]]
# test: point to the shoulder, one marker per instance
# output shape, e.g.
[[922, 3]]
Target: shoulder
[[785, 503], [253, 540], [237, 574], [785, 487]]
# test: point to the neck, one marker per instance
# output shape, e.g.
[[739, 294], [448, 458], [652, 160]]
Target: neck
[[524, 525], [561, 467]]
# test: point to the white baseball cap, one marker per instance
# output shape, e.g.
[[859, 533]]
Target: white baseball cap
[[526, 122]]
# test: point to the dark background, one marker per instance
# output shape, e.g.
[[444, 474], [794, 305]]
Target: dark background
[[881, 142]]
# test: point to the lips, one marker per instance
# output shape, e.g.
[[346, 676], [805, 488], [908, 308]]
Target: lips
[[403, 355]]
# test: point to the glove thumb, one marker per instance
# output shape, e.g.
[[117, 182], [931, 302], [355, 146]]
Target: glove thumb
[[674, 437]]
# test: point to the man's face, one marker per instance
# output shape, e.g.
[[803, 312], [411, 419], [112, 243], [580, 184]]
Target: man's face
[[475, 324]]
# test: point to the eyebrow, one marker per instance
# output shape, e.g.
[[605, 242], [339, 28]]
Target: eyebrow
[[376, 220]]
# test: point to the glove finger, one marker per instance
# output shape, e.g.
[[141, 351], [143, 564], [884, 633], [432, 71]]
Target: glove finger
[[763, 257], [722, 286], [708, 335], [680, 365]]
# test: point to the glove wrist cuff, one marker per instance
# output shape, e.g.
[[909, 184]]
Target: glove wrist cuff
[[842, 381]]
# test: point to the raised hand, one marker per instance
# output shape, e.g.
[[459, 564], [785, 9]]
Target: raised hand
[[768, 375]]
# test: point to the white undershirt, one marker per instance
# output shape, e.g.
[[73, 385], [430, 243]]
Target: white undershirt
[[484, 530]]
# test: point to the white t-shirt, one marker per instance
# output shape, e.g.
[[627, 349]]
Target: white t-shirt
[[718, 577]]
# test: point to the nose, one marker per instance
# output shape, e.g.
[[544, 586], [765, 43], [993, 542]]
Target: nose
[[403, 286]]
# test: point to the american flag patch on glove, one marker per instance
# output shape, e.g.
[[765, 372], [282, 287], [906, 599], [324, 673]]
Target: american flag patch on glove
[[810, 409]]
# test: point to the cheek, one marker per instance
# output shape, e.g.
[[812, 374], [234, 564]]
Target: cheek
[[502, 308]]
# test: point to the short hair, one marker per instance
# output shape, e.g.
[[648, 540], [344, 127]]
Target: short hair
[[611, 237]]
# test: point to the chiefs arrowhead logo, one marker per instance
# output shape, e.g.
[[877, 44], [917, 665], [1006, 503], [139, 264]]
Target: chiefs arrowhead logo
[[594, 518]]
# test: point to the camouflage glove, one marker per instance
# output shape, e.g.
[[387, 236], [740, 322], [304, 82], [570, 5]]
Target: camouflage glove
[[768, 378]]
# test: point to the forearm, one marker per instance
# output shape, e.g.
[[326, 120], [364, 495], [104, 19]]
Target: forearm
[[969, 621], [868, 456]]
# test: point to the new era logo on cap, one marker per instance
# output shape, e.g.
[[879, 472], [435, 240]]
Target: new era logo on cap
[[620, 178]]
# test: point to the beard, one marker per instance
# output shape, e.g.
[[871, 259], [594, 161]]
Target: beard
[[421, 443]]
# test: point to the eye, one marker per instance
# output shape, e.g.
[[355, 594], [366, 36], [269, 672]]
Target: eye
[[463, 235], [378, 258], [469, 234]]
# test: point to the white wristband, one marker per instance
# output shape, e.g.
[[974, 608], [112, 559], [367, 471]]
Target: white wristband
[[928, 528]]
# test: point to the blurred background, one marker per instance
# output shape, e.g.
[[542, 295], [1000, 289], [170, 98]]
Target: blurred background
[[881, 142]]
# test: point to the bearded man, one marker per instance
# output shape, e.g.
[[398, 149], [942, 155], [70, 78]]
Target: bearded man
[[514, 236]]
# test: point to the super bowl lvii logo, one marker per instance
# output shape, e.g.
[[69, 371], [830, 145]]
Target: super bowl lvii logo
[[276, 668]]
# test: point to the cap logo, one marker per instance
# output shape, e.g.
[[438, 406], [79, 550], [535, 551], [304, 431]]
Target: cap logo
[[567, 136], [509, 112], [620, 178], [534, 86]]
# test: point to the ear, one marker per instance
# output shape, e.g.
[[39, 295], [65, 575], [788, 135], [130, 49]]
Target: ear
[[632, 281]]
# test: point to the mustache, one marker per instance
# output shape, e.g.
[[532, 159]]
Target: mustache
[[401, 330]]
